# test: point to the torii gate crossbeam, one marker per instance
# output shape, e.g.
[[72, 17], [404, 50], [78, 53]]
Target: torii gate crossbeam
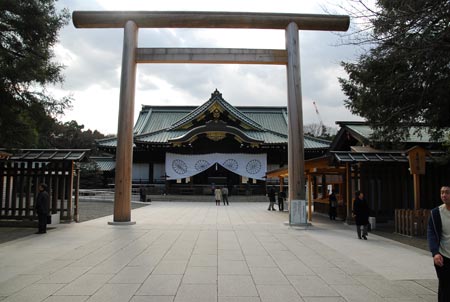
[[131, 21]]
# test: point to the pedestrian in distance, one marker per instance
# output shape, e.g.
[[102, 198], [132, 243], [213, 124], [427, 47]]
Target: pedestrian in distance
[[41, 208], [218, 195], [333, 205], [225, 195], [142, 193], [271, 195], [438, 235], [361, 212], [281, 198]]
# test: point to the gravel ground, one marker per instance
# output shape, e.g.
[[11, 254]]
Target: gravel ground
[[95, 209], [88, 210]]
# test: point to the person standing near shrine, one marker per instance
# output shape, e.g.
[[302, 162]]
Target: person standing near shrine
[[225, 195], [281, 198], [271, 195], [41, 207], [333, 205], [361, 212], [218, 195], [438, 235]]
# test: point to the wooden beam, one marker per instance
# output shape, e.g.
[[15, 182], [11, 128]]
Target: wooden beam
[[212, 56], [204, 19]]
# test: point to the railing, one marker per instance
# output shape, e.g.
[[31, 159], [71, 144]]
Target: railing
[[411, 222], [19, 187]]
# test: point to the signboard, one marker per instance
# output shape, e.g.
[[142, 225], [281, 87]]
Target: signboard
[[297, 214]]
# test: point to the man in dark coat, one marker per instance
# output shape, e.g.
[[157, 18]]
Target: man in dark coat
[[41, 207], [361, 212], [333, 205], [271, 195], [438, 234]]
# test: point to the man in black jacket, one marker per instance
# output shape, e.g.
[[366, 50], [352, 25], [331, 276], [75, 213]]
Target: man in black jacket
[[438, 234], [361, 212], [41, 207]]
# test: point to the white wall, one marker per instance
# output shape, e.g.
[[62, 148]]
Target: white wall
[[140, 172]]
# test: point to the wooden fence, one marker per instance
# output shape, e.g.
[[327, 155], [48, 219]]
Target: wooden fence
[[19, 187], [411, 222]]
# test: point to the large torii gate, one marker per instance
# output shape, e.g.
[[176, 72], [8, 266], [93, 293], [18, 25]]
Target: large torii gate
[[131, 21]]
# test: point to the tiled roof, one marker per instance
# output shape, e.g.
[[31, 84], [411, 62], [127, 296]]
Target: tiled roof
[[104, 163], [216, 97], [394, 156], [50, 154], [153, 119], [362, 129], [159, 124]]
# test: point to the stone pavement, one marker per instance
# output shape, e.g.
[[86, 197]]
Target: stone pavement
[[180, 251]]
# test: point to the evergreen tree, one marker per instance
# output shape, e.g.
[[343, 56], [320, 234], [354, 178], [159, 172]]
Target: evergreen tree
[[28, 31], [405, 77]]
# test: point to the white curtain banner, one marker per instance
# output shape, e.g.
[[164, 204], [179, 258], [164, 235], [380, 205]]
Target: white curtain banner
[[187, 165]]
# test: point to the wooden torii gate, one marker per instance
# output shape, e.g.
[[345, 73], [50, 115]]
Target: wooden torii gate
[[131, 21]]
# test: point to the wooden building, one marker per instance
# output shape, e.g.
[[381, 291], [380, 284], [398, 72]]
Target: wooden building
[[186, 149], [21, 172], [387, 174]]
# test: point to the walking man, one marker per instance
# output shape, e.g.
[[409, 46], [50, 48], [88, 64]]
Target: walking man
[[438, 234], [361, 213], [41, 207]]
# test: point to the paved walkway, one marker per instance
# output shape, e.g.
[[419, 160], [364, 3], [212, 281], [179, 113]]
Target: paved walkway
[[181, 251]]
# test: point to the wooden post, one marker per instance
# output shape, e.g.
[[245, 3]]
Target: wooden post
[[124, 151], [310, 188], [70, 192], [295, 131], [416, 180], [348, 191], [77, 195], [281, 179]]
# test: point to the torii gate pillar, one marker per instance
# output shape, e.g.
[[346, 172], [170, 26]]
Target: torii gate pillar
[[296, 177], [124, 151]]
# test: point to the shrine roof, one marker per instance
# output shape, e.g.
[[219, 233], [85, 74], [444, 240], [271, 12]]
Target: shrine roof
[[160, 124], [216, 98]]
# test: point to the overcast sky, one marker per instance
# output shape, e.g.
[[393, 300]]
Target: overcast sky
[[93, 58]]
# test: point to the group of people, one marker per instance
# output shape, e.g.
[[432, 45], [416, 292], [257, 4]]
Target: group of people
[[272, 197], [221, 194]]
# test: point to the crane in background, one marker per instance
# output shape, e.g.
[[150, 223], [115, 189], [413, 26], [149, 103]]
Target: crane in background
[[321, 128]]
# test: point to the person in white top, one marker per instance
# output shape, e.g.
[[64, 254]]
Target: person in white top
[[218, 195]]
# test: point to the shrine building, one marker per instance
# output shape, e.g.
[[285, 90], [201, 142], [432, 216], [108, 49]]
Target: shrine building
[[187, 149]]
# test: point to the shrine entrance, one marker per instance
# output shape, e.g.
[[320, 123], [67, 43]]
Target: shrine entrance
[[131, 21]]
